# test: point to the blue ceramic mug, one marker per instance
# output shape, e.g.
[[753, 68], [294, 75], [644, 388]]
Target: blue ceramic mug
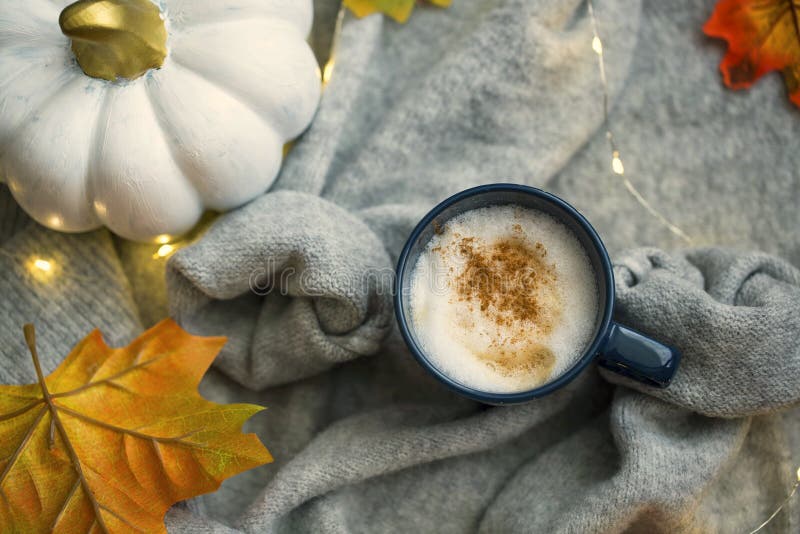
[[616, 347]]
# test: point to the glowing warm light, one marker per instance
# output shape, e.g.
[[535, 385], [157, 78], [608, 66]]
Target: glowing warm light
[[43, 265], [616, 164], [327, 72], [164, 251], [100, 208], [167, 249], [41, 269], [163, 239], [55, 221], [597, 45]]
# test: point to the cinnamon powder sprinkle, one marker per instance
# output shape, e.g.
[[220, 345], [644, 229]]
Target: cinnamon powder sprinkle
[[506, 278], [513, 285]]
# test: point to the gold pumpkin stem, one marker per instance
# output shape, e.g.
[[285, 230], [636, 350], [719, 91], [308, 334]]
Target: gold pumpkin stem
[[115, 38]]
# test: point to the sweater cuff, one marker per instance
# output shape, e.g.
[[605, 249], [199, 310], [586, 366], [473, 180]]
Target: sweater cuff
[[297, 283]]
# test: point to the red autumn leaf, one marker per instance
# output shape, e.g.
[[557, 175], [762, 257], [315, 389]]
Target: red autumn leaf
[[762, 36]]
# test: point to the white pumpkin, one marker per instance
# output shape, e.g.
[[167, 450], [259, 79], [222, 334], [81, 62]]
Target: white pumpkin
[[146, 156]]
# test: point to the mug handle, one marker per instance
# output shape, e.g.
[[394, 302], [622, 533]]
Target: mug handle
[[632, 354]]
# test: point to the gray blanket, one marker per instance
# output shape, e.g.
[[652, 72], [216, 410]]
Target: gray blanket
[[364, 440]]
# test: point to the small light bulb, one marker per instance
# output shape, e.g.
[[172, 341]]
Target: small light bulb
[[597, 46], [43, 265], [41, 269], [327, 71], [616, 164], [100, 208], [163, 251], [163, 239]]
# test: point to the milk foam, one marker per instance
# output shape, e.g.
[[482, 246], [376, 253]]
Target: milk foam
[[458, 336]]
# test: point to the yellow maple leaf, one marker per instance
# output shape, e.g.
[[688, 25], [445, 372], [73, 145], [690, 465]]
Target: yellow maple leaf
[[115, 436], [399, 10]]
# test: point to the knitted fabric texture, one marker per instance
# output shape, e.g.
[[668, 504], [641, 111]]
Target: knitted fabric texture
[[364, 439]]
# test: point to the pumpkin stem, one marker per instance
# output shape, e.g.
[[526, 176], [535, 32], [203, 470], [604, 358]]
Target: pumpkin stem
[[115, 38]]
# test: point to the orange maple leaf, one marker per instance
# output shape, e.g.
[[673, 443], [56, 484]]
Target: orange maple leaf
[[114, 437], [762, 36], [399, 10]]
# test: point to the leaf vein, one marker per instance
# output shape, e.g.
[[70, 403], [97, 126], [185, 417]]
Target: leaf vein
[[63, 509], [111, 378], [23, 443], [108, 426], [17, 413], [115, 514]]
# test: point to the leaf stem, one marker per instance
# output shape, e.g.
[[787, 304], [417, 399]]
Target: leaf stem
[[30, 339]]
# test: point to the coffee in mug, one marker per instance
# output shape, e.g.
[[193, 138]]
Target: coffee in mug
[[504, 298], [505, 293]]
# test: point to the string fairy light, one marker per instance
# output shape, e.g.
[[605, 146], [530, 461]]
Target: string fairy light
[[616, 160], [47, 269], [780, 507], [619, 169], [39, 267]]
